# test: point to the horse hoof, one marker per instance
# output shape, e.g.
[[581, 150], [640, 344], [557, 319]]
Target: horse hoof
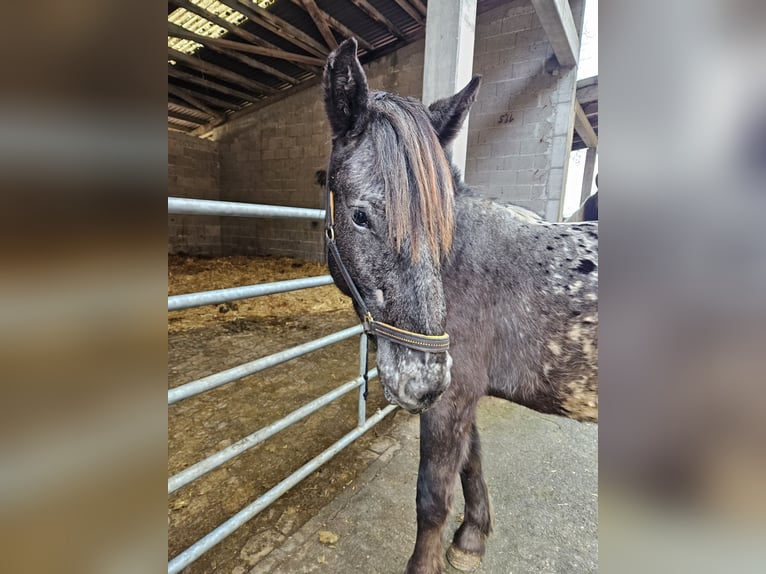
[[462, 560]]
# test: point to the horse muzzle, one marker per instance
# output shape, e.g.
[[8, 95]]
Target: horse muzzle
[[412, 379]]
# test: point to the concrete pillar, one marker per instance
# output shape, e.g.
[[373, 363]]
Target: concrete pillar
[[448, 66], [588, 173]]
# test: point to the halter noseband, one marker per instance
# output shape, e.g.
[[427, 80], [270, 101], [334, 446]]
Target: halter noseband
[[416, 341]]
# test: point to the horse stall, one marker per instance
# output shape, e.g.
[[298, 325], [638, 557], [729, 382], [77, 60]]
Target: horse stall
[[305, 351], [269, 405]]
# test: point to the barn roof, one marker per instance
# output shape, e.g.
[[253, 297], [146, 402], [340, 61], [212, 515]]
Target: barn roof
[[229, 57]]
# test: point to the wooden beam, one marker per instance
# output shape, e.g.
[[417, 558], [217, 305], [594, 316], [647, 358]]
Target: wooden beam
[[187, 119], [186, 96], [236, 30], [583, 127], [276, 25], [320, 20], [258, 50], [179, 32], [179, 129], [344, 30], [309, 83], [590, 108], [182, 126], [587, 175], [558, 23], [347, 32], [373, 13], [588, 94], [411, 12], [197, 122], [178, 107], [420, 7], [223, 104], [181, 75], [219, 72], [587, 82]]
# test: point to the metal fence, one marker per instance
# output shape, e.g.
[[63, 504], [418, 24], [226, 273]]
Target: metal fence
[[178, 205]]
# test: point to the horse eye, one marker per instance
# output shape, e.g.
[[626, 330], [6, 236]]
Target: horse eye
[[360, 218]]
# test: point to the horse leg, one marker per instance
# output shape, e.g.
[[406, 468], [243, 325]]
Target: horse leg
[[467, 547], [444, 442]]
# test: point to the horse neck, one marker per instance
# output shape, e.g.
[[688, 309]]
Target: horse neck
[[483, 239]]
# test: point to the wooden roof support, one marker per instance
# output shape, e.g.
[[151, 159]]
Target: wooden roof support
[[344, 30], [583, 127], [219, 72], [320, 20], [587, 90], [181, 126], [558, 23], [347, 32], [234, 29], [175, 128], [188, 97], [373, 13], [587, 175], [187, 119], [411, 12], [205, 83], [179, 107], [258, 50], [276, 25], [217, 102], [420, 7], [179, 32]]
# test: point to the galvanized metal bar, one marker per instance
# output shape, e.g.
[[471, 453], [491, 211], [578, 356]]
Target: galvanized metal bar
[[362, 406], [185, 206], [211, 539], [188, 300], [229, 375], [217, 459]]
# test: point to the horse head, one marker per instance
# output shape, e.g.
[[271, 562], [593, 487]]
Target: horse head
[[392, 191]]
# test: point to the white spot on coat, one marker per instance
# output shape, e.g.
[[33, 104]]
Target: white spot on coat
[[555, 348]]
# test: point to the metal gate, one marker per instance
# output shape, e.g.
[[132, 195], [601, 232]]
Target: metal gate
[[182, 206]]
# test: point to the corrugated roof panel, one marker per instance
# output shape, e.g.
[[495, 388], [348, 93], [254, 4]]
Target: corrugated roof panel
[[198, 25]]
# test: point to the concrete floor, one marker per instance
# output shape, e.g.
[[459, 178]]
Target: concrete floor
[[542, 473]]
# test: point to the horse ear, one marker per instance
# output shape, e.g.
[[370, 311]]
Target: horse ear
[[345, 89], [448, 115]]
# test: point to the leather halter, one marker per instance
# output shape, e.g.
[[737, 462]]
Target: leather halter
[[416, 341]]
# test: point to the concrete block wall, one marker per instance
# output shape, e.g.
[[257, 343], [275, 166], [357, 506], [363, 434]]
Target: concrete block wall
[[520, 128], [271, 158], [194, 172], [272, 155]]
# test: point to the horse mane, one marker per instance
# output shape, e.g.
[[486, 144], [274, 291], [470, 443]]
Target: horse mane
[[417, 176]]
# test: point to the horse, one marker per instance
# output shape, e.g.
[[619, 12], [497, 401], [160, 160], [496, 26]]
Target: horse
[[465, 297]]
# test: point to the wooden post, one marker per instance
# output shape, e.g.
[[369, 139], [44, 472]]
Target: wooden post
[[588, 173]]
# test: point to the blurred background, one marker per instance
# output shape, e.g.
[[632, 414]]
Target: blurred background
[[82, 287], [83, 282], [682, 457]]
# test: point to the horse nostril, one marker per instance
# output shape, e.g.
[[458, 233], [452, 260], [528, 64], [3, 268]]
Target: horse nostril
[[428, 397]]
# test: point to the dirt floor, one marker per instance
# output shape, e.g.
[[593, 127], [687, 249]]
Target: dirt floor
[[208, 339]]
